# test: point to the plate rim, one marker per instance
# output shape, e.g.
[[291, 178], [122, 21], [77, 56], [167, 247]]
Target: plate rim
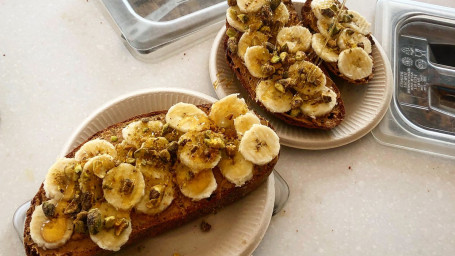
[[263, 222], [328, 144]]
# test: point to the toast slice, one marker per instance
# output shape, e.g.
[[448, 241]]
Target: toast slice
[[291, 115], [311, 21], [184, 207]]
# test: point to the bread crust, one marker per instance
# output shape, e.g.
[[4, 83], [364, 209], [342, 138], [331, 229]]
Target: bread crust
[[249, 83], [181, 211], [310, 21]]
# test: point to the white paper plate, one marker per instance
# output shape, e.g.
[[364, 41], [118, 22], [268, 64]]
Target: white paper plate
[[365, 105], [236, 229]]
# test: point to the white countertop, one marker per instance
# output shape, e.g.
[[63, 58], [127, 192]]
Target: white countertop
[[61, 60]]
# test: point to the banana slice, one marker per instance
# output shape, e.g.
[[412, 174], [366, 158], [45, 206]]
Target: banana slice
[[224, 111], [357, 23], [158, 196], [200, 150], [325, 28], [350, 39], [137, 132], [99, 165], [274, 100], [237, 170], [50, 233], [195, 186], [317, 6], [153, 158], [61, 179], [281, 14], [255, 58], [251, 5], [297, 38], [323, 50], [244, 122], [322, 106], [123, 186], [234, 18], [309, 78], [114, 235], [93, 148], [355, 63], [186, 117], [250, 39], [259, 145]]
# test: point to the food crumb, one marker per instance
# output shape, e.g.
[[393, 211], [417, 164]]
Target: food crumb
[[297, 230], [205, 227], [184, 54], [4, 55], [349, 167]]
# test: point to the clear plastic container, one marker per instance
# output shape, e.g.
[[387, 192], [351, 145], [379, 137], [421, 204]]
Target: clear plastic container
[[419, 39], [153, 30]]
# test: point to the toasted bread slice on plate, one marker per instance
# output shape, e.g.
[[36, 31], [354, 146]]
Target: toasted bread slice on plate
[[267, 49], [146, 175], [344, 46]]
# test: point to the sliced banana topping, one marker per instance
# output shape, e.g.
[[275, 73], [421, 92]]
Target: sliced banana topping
[[251, 5], [281, 14], [307, 78], [199, 150], [187, 117], [355, 63], [240, 20], [110, 229], [123, 186], [323, 50], [297, 38], [99, 165], [249, 39], [224, 111], [137, 132], [195, 186], [350, 39], [158, 196], [94, 148], [50, 232], [324, 8], [259, 144], [237, 169], [356, 22], [244, 122], [257, 61], [274, 99], [61, 179], [321, 105]]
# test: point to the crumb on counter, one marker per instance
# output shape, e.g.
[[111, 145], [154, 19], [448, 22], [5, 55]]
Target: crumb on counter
[[205, 227]]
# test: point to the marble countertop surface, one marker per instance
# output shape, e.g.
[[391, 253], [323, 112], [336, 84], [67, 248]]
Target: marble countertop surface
[[61, 60]]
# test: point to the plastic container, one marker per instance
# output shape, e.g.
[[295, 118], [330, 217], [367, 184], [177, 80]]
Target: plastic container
[[419, 39], [165, 25]]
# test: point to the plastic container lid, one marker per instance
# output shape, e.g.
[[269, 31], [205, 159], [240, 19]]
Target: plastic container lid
[[419, 39], [148, 26]]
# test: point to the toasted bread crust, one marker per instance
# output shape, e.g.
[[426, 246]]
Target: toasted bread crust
[[181, 211], [310, 21], [249, 82]]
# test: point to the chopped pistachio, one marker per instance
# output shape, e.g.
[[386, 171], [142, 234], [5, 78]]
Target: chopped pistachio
[[131, 160], [268, 69], [285, 74], [295, 112], [265, 29], [232, 45], [165, 155], [299, 55], [270, 47], [73, 207], [94, 221], [215, 142], [78, 168], [127, 186], [145, 120], [48, 209], [350, 32], [284, 47], [346, 18], [79, 227], [328, 12], [86, 201], [279, 87], [274, 4], [243, 18], [297, 101], [114, 138], [230, 32], [275, 59], [109, 222], [173, 147], [283, 56], [146, 129]]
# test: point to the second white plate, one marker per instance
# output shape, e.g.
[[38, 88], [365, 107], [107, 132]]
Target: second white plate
[[236, 229], [365, 105]]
